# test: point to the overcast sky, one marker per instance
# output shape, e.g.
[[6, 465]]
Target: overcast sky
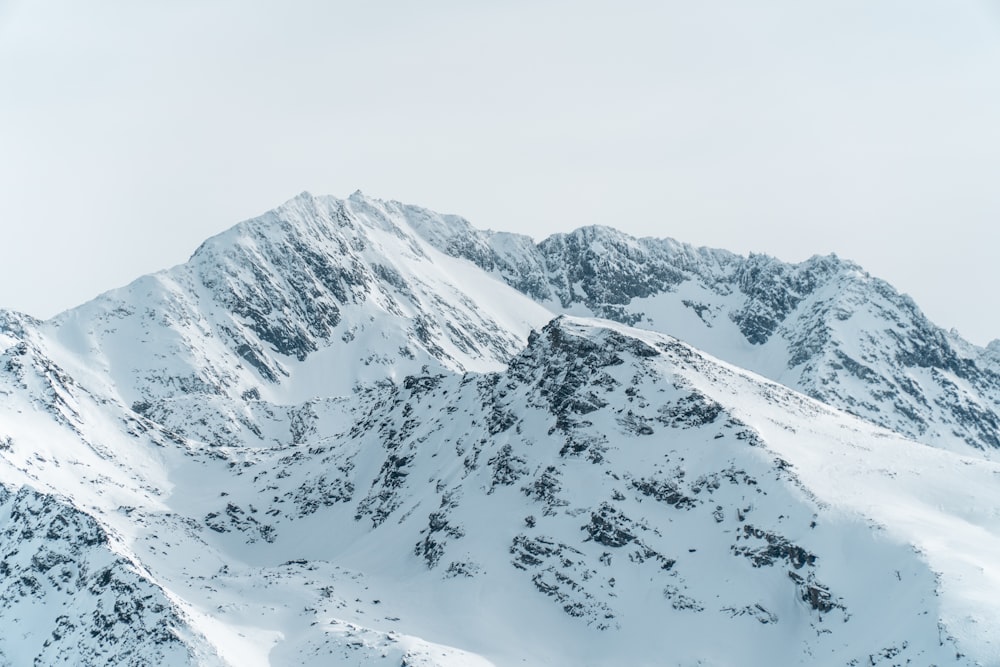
[[130, 131]]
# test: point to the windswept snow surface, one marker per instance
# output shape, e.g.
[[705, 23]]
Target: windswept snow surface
[[354, 432]]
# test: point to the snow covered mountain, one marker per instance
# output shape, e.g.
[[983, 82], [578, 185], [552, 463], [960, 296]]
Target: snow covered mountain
[[823, 327], [358, 432]]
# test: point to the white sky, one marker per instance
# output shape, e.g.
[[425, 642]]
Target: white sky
[[130, 131]]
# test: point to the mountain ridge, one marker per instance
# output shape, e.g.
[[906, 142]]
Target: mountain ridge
[[677, 289]]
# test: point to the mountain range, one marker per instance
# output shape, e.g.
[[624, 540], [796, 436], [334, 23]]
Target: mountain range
[[358, 432]]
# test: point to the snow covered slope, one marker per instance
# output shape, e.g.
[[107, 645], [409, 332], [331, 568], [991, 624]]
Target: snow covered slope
[[330, 438], [305, 301], [823, 327]]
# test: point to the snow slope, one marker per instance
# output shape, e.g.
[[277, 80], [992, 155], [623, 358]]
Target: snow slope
[[823, 327], [332, 437]]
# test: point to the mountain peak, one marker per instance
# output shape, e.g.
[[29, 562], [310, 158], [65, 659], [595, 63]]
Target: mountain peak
[[348, 281]]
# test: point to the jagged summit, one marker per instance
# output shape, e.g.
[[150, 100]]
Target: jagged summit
[[317, 281], [823, 326]]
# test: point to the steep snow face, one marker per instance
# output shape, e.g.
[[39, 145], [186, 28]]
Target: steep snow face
[[823, 327], [307, 300]]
